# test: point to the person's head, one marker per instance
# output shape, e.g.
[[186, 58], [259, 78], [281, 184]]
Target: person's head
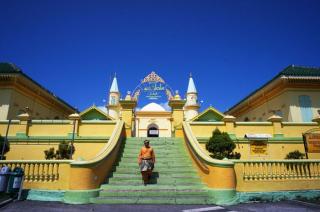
[[146, 143]]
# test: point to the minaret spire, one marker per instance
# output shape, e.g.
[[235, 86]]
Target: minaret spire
[[191, 86], [114, 98], [114, 85], [191, 107]]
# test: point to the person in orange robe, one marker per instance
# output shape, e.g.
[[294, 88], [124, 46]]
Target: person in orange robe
[[146, 160]]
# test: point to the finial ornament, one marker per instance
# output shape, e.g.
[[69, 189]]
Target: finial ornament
[[190, 75], [153, 77]]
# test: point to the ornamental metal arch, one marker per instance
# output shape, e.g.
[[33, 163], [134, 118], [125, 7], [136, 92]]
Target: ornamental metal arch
[[152, 85]]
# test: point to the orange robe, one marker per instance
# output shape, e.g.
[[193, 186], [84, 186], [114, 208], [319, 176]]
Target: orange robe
[[147, 153]]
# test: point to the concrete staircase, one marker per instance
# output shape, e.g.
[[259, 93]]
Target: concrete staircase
[[174, 179]]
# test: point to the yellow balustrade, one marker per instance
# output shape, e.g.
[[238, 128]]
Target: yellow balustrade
[[45, 174], [71, 174], [275, 175]]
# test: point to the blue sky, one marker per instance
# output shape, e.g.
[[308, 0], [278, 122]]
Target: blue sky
[[231, 47]]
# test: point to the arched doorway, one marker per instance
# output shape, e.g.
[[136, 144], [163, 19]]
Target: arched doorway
[[153, 130]]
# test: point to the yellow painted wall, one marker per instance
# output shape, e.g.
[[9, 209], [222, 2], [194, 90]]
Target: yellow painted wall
[[264, 111], [13, 129], [96, 129], [206, 130], [50, 129], [296, 130], [35, 151], [293, 97], [5, 96], [275, 151], [163, 123], [287, 102], [242, 129], [38, 110]]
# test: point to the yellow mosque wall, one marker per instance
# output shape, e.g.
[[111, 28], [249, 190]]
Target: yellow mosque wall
[[275, 151], [41, 105], [35, 150], [29, 141], [287, 137], [287, 102]]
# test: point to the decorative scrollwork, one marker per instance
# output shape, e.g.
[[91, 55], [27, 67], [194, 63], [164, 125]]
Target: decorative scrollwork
[[152, 77], [153, 85]]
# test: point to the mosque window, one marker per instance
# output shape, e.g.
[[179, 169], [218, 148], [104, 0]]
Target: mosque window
[[56, 117], [305, 108], [246, 119], [113, 100]]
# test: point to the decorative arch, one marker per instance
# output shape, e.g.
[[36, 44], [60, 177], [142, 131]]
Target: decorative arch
[[152, 85]]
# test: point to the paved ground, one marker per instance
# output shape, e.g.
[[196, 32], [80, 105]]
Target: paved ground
[[283, 206]]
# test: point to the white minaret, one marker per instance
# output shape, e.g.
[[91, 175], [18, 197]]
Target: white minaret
[[191, 107], [114, 97]]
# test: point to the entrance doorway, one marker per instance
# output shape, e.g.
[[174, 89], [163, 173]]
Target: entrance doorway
[[153, 130]]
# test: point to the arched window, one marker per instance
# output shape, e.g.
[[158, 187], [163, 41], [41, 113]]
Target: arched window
[[305, 108]]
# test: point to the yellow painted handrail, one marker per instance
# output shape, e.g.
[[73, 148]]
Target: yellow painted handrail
[[108, 148], [202, 155]]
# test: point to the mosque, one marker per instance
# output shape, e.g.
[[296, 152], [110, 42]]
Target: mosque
[[153, 120], [280, 117]]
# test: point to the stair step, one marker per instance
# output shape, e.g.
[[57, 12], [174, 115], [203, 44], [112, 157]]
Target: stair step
[[181, 160], [174, 179], [158, 150], [171, 182], [174, 175], [169, 156], [153, 193], [151, 200], [158, 179], [149, 187], [160, 170], [158, 164]]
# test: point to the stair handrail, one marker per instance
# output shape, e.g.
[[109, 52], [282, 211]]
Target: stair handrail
[[199, 152], [114, 140]]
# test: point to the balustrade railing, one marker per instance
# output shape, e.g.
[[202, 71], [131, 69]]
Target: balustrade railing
[[37, 171], [279, 170]]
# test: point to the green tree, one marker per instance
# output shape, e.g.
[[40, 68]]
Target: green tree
[[49, 154], [295, 155], [221, 146], [63, 151]]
